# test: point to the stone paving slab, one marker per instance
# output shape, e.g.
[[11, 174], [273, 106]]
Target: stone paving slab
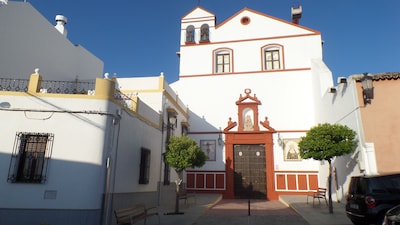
[[258, 212]]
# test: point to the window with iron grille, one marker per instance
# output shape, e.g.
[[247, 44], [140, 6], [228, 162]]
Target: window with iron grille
[[144, 175], [30, 157]]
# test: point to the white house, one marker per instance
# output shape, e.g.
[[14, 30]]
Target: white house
[[25, 33]]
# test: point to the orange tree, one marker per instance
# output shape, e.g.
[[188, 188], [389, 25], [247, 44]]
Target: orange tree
[[326, 141], [183, 152]]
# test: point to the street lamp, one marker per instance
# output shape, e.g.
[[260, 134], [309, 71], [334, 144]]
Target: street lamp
[[368, 88], [172, 121], [170, 126]]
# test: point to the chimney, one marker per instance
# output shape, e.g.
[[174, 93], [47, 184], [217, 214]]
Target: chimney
[[60, 22], [296, 13]]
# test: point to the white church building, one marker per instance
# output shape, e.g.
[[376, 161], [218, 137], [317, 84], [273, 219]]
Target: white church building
[[253, 84]]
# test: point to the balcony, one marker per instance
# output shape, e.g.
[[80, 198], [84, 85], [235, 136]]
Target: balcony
[[99, 88]]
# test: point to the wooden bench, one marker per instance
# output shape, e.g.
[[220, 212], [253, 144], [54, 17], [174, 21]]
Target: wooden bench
[[184, 194], [319, 194], [134, 214]]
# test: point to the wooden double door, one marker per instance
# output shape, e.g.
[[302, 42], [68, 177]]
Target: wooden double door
[[250, 171]]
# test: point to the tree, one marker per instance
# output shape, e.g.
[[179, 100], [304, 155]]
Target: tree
[[326, 141], [183, 152]]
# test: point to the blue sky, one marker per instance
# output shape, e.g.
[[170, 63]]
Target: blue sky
[[141, 37]]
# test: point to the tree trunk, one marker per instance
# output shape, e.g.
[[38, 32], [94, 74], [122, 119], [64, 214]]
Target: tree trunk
[[330, 187], [178, 185]]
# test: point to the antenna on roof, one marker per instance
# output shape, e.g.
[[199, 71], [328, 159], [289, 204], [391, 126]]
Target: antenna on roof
[[296, 13]]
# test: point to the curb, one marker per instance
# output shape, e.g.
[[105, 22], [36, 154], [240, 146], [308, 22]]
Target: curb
[[209, 206]]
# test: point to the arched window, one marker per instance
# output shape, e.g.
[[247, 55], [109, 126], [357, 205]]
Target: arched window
[[272, 57], [204, 33], [190, 34], [223, 61]]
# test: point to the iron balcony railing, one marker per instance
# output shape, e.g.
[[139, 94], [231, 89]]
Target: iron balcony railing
[[18, 85], [124, 99], [67, 87], [63, 87]]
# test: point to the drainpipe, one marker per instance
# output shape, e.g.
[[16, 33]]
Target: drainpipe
[[112, 157], [162, 149]]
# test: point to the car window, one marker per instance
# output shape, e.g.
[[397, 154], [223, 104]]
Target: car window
[[378, 185], [393, 185], [359, 185]]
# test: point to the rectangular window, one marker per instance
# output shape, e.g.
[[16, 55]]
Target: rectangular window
[[144, 176], [272, 60], [30, 158], [185, 130], [223, 63]]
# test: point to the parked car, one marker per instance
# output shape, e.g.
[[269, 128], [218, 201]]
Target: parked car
[[392, 217], [370, 197]]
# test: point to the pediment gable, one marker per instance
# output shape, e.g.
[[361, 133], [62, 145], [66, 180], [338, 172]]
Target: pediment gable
[[261, 25], [248, 99], [198, 12]]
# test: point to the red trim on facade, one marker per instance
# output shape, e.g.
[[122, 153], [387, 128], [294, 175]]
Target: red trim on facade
[[243, 73], [260, 39], [249, 133], [232, 138]]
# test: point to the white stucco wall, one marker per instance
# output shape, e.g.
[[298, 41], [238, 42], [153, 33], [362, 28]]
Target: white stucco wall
[[134, 134], [284, 98], [246, 42], [155, 98], [33, 42], [343, 108], [76, 169]]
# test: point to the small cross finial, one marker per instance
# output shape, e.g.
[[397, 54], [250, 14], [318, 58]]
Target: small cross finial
[[198, 2]]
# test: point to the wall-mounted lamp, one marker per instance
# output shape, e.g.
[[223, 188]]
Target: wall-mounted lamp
[[332, 90], [368, 88], [220, 141], [280, 141], [172, 121], [117, 118]]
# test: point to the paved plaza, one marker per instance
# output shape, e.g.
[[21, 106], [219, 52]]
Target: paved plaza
[[211, 209]]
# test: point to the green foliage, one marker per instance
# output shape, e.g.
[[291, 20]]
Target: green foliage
[[183, 152], [325, 141]]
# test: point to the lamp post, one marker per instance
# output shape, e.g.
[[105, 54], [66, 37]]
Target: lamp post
[[170, 126]]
